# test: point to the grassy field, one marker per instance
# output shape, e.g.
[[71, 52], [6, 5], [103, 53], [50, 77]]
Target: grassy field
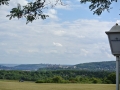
[[15, 85]]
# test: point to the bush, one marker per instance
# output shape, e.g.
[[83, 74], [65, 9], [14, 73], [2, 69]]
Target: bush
[[95, 80], [112, 78], [40, 81], [57, 79]]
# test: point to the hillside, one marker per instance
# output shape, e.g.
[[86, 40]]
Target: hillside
[[29, 66], [106, 65]]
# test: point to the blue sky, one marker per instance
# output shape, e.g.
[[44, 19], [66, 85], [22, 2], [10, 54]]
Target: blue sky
[[71, 35]]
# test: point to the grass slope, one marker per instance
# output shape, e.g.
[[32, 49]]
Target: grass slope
[[15, 85]]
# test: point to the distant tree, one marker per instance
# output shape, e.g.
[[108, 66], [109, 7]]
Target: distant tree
[[112, 78], [95, 80], [57, 79]]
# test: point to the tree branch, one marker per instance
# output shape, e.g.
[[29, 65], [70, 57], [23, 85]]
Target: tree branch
[[98, 6], [31, 11], [4, 2]]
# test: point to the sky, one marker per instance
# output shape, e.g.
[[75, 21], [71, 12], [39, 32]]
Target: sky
[[70, 35]]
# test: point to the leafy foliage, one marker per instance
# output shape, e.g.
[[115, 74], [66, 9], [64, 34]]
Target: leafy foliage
[[60, 76], [31, 11], [4, 2], [34, 10], [112, 78], [98, 6]]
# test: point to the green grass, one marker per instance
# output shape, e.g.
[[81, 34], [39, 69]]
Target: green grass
[[15, 85]]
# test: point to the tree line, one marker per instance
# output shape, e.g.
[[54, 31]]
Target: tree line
[[60, 76]]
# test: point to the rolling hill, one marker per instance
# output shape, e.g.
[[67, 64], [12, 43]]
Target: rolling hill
[[94, 66], [106, 65]]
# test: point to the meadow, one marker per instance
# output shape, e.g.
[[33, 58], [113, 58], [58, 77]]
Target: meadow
[[16, 85]]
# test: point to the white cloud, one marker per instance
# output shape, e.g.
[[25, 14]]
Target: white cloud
[[84, 52], [65, 7], [81, 40], [52, 11], [59, 32], [57, 44], [33, 50], [14, 2], [118, 21], [51, 51], [64, 42], [52, 14]]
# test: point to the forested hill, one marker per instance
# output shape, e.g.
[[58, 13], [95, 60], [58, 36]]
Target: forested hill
[[92, 66], [106, 65]]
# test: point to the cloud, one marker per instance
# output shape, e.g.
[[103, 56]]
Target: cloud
[[14, 2], [52, 40], [52, 14], [59, 32], [84, 52], [84, 40], [118, 21], [57, 44]]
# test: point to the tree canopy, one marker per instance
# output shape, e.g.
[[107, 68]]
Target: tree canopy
[[34, 10]]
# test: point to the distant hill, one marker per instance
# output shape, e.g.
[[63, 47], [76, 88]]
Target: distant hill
[[94, 66], [29, 66], [2, 67], [9, 65], [106, 65]]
